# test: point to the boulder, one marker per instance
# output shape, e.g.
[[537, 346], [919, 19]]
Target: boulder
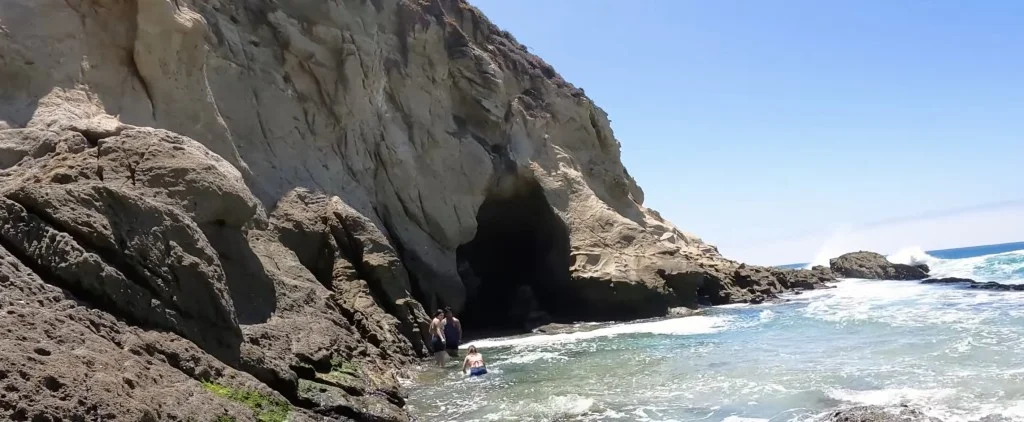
[[873, 266]]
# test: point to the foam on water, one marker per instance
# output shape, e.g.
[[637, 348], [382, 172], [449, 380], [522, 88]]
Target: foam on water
[[675, 326], [1006, 267]]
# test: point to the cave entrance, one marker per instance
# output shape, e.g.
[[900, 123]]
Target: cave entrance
[[516, 269]]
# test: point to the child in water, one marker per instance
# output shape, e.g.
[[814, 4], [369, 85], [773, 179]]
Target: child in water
[[474, 363]]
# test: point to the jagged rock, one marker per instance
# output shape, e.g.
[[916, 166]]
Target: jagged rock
[[874, 266], [76, 236], [63, 360], [878, 414]]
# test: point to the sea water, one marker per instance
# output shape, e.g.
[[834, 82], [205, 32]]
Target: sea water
[[953, 353]]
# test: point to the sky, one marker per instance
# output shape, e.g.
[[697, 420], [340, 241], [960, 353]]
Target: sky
[[766, 127]]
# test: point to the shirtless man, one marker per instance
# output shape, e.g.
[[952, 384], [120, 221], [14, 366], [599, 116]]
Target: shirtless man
[[452, 333], [474, 363], [437, 338]]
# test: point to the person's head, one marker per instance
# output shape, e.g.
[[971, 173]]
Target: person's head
[[438, 314], [448, 312], [472, 350]]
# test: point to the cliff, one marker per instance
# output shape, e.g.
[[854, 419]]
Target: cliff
[[214, 209]]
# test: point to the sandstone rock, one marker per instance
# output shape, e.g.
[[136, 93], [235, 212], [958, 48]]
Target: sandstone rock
[[873, 266]]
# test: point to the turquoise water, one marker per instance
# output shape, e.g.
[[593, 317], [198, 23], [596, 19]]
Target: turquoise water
[[956, 354]]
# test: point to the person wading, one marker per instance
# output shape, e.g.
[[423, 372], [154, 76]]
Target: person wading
[[452, 333], [437, 338], [474, 363]]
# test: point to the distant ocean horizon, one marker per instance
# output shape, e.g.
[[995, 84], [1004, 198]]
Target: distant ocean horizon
[[953, 253]]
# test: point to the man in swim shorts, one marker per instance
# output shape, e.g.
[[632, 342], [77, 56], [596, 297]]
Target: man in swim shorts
[[437, 338], [474, 363], [452, 333]]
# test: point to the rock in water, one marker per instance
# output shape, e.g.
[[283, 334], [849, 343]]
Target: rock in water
[[948, 280], [879, 414], [971, 284], [874, 266], [247, 206]]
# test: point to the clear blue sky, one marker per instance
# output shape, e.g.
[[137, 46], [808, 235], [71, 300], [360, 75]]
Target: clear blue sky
[[754, 123]]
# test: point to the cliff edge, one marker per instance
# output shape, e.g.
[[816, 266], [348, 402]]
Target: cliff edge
[[241, 210]]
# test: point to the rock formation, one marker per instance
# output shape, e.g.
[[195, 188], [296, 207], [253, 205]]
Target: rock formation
[[971, 284], [874, 266], [215, 210], [878, 414]]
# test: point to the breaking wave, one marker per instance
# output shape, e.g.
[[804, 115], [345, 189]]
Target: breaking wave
[[1005, 267], [675, 326]]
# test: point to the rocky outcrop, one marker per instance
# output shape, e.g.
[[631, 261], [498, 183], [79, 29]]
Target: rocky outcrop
[[874, 266], [253, 202], [971, 284], [878, 414]]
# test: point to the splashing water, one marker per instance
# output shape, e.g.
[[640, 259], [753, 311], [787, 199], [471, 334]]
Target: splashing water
[[955, 354]]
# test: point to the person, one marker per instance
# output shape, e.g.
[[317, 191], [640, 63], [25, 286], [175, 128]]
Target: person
[[452, 333], [437, 338], [474, 363]]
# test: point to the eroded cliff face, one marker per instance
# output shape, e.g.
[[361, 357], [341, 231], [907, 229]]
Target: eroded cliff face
[[265, 196]]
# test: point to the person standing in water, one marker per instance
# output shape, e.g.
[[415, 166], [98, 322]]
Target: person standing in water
[[437, 338], [452, 333], [474, 363]]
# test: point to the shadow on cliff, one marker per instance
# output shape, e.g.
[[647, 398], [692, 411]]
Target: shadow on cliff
[[252, 291]]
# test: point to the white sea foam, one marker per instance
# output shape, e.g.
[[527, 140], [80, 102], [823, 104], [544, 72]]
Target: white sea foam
[[1006, 267], [528, 357], [893, 396], [552, 408], [743, 419], [912, 255], [676, 326]]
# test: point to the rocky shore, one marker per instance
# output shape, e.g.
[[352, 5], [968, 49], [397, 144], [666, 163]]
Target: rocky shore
[[236, 211], [875, 266]]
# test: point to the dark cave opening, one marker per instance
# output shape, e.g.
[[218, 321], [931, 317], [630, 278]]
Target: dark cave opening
[[516, 269]]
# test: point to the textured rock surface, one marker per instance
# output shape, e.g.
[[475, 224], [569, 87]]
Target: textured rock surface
[[879, 414], [874, 266], [266, 195]]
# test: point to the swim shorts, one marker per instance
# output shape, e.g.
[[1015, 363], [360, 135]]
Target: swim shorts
[[475, 372]]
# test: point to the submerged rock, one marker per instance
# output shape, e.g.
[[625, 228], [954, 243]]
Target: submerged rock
[[971, 284], [879, 414], [874, 266]]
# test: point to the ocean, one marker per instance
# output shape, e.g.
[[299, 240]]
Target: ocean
[[956, 354]]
